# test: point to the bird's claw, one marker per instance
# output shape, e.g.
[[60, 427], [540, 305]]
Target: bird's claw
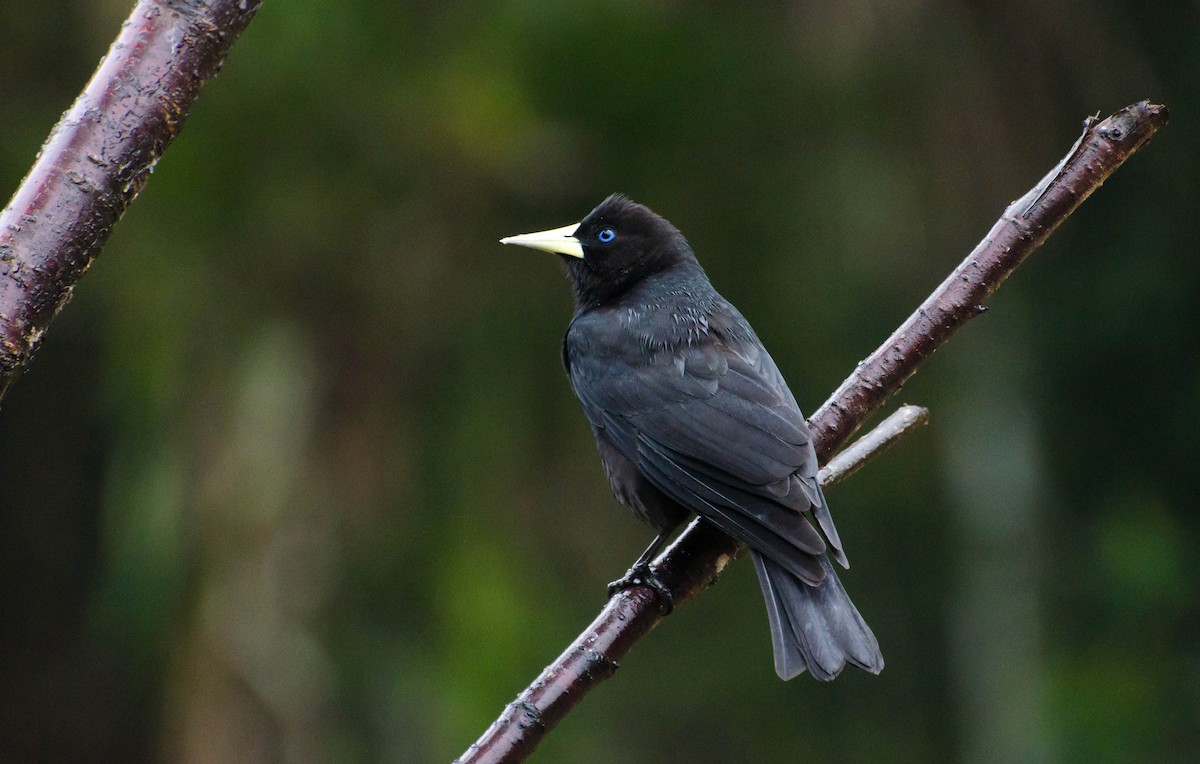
[[644, 575]]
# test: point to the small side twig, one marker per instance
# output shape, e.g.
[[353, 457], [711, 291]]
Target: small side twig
[[875, 442], [99, 156], [693, 562]]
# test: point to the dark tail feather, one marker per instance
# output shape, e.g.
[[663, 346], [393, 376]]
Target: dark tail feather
[[814, 627]]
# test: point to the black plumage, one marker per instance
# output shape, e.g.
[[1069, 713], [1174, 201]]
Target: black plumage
[[691, 415]]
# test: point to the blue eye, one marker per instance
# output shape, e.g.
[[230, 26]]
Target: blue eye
[[606, 235]]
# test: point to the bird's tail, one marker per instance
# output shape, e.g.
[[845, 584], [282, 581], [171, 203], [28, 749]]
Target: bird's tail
[[814, 627]]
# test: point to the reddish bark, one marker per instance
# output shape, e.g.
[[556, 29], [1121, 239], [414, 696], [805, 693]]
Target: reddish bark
[[99, 156]]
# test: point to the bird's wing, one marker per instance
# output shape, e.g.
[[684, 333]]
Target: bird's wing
[[713, 425]]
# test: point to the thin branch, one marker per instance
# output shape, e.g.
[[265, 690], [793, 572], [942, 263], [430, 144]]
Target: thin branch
[[99, 156], [875, 442], [592, 657], [696, 558], [1101, 149]]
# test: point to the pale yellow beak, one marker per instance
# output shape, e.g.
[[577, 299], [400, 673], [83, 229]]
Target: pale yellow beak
[[560, 241]]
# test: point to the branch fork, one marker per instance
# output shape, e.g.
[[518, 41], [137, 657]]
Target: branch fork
[[700, 553]]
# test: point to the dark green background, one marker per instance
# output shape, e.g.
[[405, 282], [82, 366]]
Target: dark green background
[[297, 475]]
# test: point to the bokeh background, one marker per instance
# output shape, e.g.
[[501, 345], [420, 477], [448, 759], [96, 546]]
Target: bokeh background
[[297, 475]]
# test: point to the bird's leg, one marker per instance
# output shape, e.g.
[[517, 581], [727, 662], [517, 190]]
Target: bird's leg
[[641, 574], [652, 551]]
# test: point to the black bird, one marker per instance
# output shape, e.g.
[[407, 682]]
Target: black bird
[[691, 415]]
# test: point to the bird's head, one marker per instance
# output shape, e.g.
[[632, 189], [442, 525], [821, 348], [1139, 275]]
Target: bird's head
[[617, 245]]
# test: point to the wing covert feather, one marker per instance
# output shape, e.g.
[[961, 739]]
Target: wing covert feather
[[713, 425]]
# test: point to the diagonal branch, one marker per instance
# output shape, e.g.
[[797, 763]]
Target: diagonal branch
[[697, 557], [590, 658], [99, 156], [1101, 149]]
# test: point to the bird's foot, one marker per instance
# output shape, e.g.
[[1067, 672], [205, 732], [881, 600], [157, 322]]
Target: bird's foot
[[644, 575]]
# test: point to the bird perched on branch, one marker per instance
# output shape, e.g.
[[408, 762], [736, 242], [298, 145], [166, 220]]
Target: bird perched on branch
[[691, 416]]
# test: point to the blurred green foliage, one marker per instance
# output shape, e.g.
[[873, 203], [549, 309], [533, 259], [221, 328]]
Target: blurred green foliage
[[297, 475]]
